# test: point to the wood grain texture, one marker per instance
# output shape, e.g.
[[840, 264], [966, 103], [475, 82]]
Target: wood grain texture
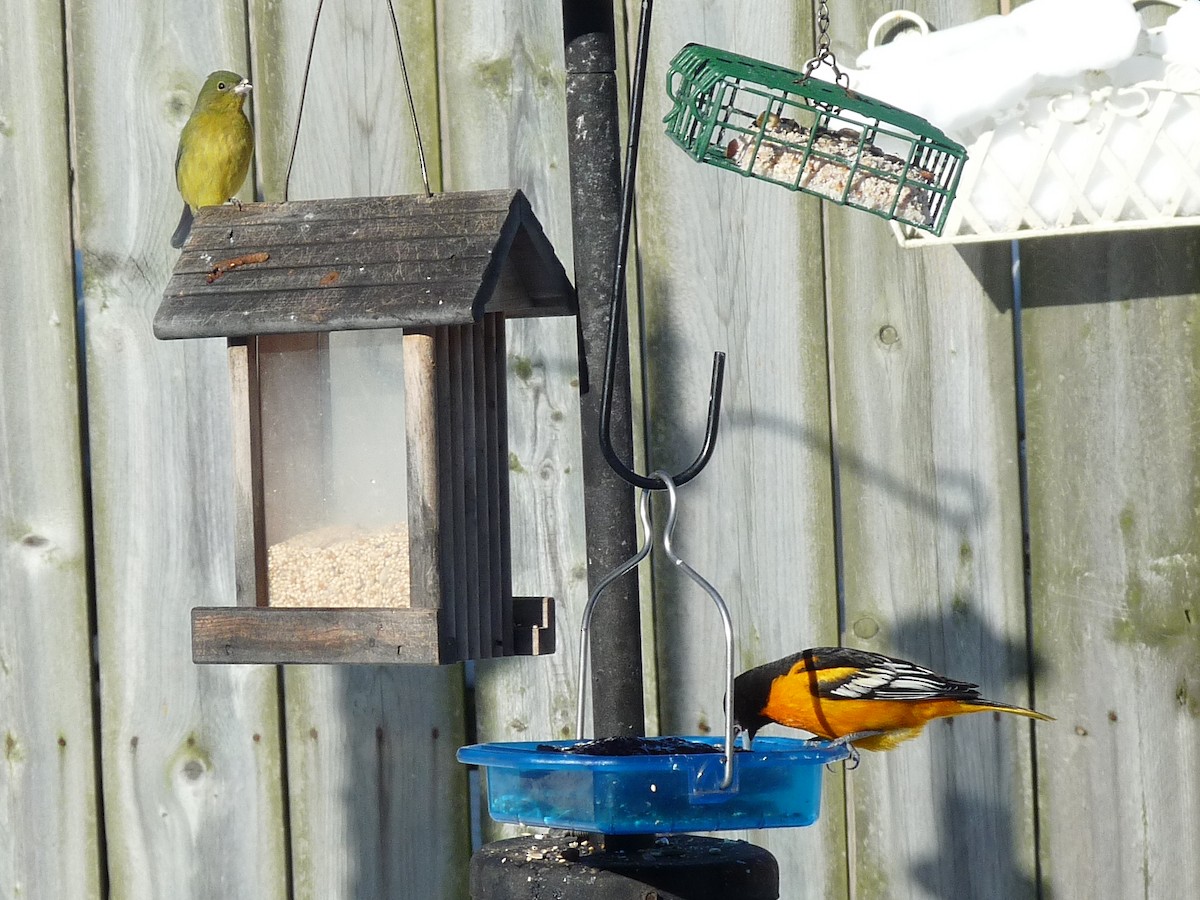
[[193, 793], [926, 444], [421, 464], [250, 533], [378, 801], [248, 634], [50, 842], [384, 262], [378, 805], [502, 82], [1112, 357], [733, 264]]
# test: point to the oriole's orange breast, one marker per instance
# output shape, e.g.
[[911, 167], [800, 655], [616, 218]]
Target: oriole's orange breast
[[793, 701]]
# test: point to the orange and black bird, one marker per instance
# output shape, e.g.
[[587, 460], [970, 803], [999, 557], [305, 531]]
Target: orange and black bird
[[866, 699]]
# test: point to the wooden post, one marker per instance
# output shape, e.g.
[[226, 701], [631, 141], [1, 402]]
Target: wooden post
[[423, 459], [249, 552]]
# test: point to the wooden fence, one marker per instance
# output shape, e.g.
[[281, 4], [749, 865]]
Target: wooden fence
[[867, 487]]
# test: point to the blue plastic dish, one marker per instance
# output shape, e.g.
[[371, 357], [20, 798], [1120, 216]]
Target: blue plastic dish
[[776, 785]]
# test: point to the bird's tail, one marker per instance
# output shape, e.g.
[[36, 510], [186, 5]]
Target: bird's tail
[[183, 228], [982, 705]]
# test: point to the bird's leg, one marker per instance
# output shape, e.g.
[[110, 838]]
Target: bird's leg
[[851, 761], [848, 740], [856, 736]]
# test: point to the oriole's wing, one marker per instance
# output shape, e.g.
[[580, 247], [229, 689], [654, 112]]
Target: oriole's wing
[[848, 674]]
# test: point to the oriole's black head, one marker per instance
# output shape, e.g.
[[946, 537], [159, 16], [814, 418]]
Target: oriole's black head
[[752, 689]]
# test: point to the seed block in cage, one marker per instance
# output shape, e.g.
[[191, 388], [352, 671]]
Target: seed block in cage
[[791, 129]]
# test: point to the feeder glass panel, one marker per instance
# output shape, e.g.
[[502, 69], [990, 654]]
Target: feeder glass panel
[[334, 490], [779, 126]]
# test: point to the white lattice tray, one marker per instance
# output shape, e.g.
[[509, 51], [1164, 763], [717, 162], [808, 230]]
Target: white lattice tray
[[1116, 150]]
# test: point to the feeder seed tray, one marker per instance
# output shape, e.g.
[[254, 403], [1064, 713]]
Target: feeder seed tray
[[777, 785], [780, 126]]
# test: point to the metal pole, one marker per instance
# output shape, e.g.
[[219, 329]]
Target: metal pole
[[594, 156]]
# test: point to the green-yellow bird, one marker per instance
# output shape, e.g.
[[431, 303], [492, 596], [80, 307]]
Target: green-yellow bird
[[214, 148]]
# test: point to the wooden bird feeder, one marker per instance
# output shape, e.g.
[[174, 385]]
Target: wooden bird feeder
[[367, 367]]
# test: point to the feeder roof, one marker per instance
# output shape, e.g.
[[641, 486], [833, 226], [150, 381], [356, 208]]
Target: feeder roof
[[370, 262]]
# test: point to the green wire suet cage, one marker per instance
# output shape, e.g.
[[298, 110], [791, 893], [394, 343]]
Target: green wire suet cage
[[771, 123]]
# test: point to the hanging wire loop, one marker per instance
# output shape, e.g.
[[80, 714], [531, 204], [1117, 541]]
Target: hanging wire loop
[[412, 108], [585, 630], [616, 309]]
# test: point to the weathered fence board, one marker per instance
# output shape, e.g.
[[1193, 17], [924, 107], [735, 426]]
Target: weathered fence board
[[1112, 353], [931, 523], [926, 445], [377, 802], [501, 66], [49, 845], [733, 264], [193, 791]]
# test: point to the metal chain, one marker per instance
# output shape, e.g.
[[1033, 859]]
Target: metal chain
[[822, 28], [824, 53]]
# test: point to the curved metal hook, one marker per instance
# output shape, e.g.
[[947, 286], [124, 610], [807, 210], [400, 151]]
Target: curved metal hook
[[726, 620], [617, 302]]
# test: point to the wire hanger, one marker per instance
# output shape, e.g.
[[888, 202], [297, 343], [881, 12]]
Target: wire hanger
[[585, 629], [412, 107], [617, 304]]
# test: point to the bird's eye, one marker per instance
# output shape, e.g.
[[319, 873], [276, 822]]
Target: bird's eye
[[221, 85]]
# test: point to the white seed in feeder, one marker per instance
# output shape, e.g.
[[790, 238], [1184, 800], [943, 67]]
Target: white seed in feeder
[[827, 169], [341, 568]]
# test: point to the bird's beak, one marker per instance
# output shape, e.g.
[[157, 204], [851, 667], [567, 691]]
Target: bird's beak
[[244, 87]]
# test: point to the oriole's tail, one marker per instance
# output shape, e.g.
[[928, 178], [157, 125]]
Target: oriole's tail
[[983, 705]]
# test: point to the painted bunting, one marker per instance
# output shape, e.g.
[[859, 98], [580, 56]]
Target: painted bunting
[[866, 699], [214, 148]]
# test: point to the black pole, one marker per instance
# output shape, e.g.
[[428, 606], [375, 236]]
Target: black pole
[[677, 867], [594, 155]]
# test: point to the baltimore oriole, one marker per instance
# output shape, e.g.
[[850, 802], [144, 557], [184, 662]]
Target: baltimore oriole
[[871, 700]]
